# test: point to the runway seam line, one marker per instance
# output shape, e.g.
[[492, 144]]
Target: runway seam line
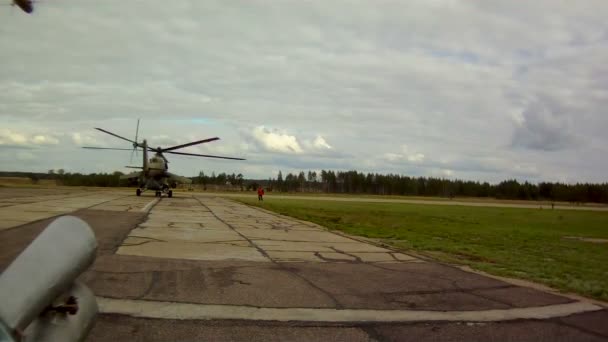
[[148, 207]]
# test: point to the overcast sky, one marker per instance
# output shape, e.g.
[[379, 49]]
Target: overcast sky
[[482, 90]]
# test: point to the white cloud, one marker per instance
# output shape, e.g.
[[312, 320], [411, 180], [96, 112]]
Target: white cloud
[[393, 156], [416, 157], [405, 155], [86, 139], [274, 140], [10, 137], [441, 173], [320, 143], [44, 140]]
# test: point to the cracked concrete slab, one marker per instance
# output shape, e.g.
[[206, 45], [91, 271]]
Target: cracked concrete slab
[[197, 258], [376, 257], [274, 245], [264, 237], [130, 204], [20, 207], [293, 256], [260, 232], [191, 234], [232, 282], [192, 251], [149, 309], [334, 256]]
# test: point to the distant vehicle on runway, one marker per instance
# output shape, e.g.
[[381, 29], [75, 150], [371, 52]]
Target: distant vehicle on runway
[[154, 174]]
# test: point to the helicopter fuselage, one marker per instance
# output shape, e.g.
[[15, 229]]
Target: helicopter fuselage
[[155, 183], [157, 167]]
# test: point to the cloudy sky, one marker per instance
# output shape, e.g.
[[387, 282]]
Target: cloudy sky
[[482, 90]]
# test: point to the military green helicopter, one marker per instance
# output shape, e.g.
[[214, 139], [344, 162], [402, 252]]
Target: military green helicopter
[[154, 174]]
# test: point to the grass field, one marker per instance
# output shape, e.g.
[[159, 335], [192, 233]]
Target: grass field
[[524, 243]]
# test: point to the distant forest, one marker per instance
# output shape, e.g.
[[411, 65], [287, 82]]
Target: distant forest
[[72, 179], [353, 182]]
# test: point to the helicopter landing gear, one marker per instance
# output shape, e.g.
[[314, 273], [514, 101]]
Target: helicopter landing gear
[[138, 192]]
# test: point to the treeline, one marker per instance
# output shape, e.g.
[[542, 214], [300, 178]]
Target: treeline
[[354, 182], [73, 179], [223, 179], [94, 179]]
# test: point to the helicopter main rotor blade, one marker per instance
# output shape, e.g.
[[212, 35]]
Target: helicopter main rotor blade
[[205, 155], [116, 135], [106, 148], [189, 144], [136, 143], [137, 130]]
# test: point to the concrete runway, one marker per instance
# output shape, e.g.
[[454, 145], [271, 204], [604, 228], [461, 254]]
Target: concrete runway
[[204, 268]]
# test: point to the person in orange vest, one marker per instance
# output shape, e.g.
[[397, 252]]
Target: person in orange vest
[[260, 194]]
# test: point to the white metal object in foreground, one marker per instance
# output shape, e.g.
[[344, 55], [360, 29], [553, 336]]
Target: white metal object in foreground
[[43, 276]]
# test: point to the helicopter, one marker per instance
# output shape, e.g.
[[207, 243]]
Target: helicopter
[[154, 174]]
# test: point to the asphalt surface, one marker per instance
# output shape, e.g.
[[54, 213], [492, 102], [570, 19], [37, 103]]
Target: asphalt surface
[[203, 268]]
